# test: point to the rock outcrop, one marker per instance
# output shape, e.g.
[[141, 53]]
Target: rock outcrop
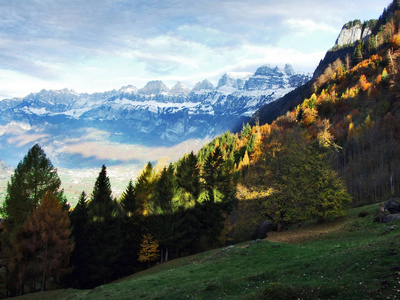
[[352, 32]]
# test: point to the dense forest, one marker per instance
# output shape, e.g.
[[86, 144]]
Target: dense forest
[[338, 148]]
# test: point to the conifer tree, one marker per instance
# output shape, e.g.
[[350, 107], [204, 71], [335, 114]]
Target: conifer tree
[[44, 245], [131, 227], [163, 194], [33, 177], [104, 231], [128, 201], [188, 175], [144, 189], [164, 221], [219, 187], [79, 221], [212, 173]]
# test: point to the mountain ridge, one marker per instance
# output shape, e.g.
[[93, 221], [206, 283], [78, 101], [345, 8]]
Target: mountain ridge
[[154, 115]]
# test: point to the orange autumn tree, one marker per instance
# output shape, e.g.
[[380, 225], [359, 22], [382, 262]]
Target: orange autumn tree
[[45, 244]]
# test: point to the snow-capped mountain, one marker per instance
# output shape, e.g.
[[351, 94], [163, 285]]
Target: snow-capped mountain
[[153, 116]]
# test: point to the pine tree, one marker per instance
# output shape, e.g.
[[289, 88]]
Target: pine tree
[[144, 189], [79, 221], [188, 175], [104, 231], [33, 177], [132, 226], [219, 190], [163, 194], [164, 221], [128, 201], [212, 173]]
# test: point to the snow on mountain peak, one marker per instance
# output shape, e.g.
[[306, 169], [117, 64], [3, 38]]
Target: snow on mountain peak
[[289, 70], [154, 87], [128, 89], [203, 85], [179, 89], [235, 80], [267, 70]]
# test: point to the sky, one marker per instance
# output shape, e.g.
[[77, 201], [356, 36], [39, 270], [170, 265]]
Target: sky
[[100, 45]]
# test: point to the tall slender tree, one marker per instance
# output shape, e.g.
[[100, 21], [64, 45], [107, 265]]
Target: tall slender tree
[[33, 177], [144, 188], [164, 221], [132, 227], [104, 231], [79, 221], [43, 246], [188, 175]]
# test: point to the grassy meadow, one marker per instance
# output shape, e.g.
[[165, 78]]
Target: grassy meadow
[[350, 258]]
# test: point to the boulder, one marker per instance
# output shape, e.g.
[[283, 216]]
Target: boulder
[[264, 228], [390, 218], [393, 206]]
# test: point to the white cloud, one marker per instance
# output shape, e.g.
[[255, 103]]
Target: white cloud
[[103, 150], [97, 45], [306, 27]]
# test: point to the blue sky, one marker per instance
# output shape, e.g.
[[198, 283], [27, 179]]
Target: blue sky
[[99, 45]]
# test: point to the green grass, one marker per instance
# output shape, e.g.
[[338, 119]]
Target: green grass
[[351, 260]]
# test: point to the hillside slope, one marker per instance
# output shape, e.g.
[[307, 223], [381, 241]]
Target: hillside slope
[[353, 258]]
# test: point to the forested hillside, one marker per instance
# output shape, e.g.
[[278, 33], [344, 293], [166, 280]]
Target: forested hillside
[[338, 148]]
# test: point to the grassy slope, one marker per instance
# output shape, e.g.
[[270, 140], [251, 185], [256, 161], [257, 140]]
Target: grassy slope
[[347, 259]]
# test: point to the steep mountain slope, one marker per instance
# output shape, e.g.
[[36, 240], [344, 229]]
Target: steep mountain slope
[[353, 34], [353, 107], [153, 116]]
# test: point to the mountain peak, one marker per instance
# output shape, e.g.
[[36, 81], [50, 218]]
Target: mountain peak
[[234, 80], [154, 87], [203, 85], [179, 89], [128, 89], [289, 70], [267, 70]]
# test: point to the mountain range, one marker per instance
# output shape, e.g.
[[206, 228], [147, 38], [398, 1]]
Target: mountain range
[[86, 130]]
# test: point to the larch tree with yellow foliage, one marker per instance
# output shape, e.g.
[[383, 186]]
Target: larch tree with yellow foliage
[[149, 249]]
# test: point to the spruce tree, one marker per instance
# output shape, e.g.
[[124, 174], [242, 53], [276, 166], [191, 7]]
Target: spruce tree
[[144, 189], [33, 177], [188, 175], [104, 231], [128, 201], [79, 221], [132, 228], [164, 222], [212, 173]]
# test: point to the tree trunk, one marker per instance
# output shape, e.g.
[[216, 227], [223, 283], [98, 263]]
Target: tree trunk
[[44, 270], [166, 254]]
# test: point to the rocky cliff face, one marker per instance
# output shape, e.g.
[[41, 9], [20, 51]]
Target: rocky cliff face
[[352, 32]]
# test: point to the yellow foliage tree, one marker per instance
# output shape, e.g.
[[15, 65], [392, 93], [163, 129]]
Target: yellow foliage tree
[[149, 249], [245, 162], [309, 116]]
